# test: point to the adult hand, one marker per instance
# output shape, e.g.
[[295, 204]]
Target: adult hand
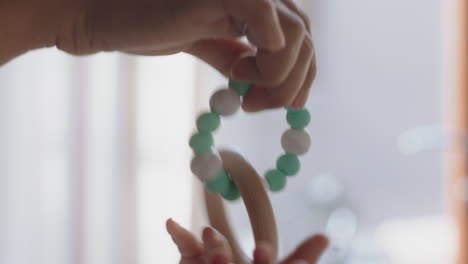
[[281, 64]]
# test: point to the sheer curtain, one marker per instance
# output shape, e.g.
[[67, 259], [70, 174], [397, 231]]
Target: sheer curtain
[[93, 157]]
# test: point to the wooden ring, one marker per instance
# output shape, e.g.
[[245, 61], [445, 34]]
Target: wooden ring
[[257, 203]]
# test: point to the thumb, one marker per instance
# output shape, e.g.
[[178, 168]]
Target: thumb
[[221, 54]]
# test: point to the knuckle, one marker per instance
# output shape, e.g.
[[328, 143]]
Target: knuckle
[[280, 101], [79, 36], [263, 6], [309, 40], [276, 79], [306, 19], [308, 49], [273, 75], [298, 25], [297, 31], [307, 23]]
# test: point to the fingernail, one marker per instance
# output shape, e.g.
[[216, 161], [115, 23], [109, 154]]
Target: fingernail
[[255, 99], [263, 245], [245, 69], [215, 235], [277, 40], [174, 222], [237, 61], [212, 238], [280, 43], [296, 105], [172, 227], [262, 251], [169, 223], [300, 100]]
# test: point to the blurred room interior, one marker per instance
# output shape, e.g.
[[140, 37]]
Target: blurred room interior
[[94, 159]]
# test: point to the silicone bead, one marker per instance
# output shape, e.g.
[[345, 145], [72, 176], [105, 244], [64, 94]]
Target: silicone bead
[[240, 87], [295, 141], [232, 193], [276, 180], [208, 122], [225, 102], [288, 164], [201, 142], [206, 166], [220, 184], [298, 119]]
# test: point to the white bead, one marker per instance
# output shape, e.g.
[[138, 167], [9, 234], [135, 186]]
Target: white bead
[[206, 166], [225, 102], [295, 141]]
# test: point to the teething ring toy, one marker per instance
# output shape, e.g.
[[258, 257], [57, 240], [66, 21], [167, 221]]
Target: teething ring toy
[[231, 176]]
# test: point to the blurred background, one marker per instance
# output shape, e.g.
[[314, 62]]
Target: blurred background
[[94, 155]]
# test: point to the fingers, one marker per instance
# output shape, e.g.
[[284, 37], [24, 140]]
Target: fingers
[[260, 97], [299, 12], [309, 251], [272, 68], [262, 20], [188, 245], [303, 95], [262, 254], [220, 54], [217, 249], [282, 76]]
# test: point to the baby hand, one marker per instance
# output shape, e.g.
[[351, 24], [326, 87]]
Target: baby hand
[[216, 250]]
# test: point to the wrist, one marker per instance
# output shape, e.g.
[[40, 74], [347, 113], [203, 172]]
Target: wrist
[[30, 24]]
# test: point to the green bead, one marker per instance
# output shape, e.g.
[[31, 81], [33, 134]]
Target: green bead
[[220, 184], [288, 164], [298, 119], [208, 122], [201, 142], [240, 88], [276, 180], [232, 193]]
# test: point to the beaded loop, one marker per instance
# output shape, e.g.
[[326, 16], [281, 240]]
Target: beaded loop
[[207, 165]]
